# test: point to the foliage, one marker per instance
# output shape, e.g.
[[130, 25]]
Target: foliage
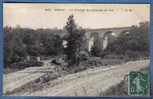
[[75, 40], [133, 43], [96, 49], [20, 42]]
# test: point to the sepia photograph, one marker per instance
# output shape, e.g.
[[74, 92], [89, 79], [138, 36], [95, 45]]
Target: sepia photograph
[[66, 49]]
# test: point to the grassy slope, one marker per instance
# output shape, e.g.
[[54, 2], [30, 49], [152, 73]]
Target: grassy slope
[[119, 90]]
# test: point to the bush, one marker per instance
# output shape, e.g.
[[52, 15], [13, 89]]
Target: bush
[[133, 44], [21, 42]]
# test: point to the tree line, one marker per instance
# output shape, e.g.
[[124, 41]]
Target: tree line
[[133, 43], [19, 42]]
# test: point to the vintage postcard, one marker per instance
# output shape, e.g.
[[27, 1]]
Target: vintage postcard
[[55, 49]]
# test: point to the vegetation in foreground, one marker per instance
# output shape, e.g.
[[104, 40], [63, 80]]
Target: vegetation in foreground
[[22, 42]]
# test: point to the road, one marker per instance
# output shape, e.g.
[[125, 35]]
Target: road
[[90, 82], [17, 79]]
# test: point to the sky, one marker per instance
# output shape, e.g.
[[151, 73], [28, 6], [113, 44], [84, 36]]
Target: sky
[[38, 15]]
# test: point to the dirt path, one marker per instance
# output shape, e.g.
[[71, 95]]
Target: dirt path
[[15, 80], [90, 82]]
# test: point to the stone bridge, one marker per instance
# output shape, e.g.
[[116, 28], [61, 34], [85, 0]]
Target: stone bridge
[[102, 36]]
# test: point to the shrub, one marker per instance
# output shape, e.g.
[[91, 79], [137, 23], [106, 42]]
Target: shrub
[[134, 44], [20, 42]]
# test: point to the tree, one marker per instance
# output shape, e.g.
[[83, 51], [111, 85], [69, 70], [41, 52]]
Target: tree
[[75, 40], [96, 49], [133, 43], [18, 43]]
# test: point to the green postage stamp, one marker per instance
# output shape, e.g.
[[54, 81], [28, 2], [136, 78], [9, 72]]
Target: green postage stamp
[[138, 83]]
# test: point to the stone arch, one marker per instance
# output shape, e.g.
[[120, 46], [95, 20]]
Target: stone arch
[[105, 39], [93, 36]]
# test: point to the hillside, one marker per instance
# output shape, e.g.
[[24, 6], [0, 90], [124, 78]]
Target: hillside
[[91, 82]]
